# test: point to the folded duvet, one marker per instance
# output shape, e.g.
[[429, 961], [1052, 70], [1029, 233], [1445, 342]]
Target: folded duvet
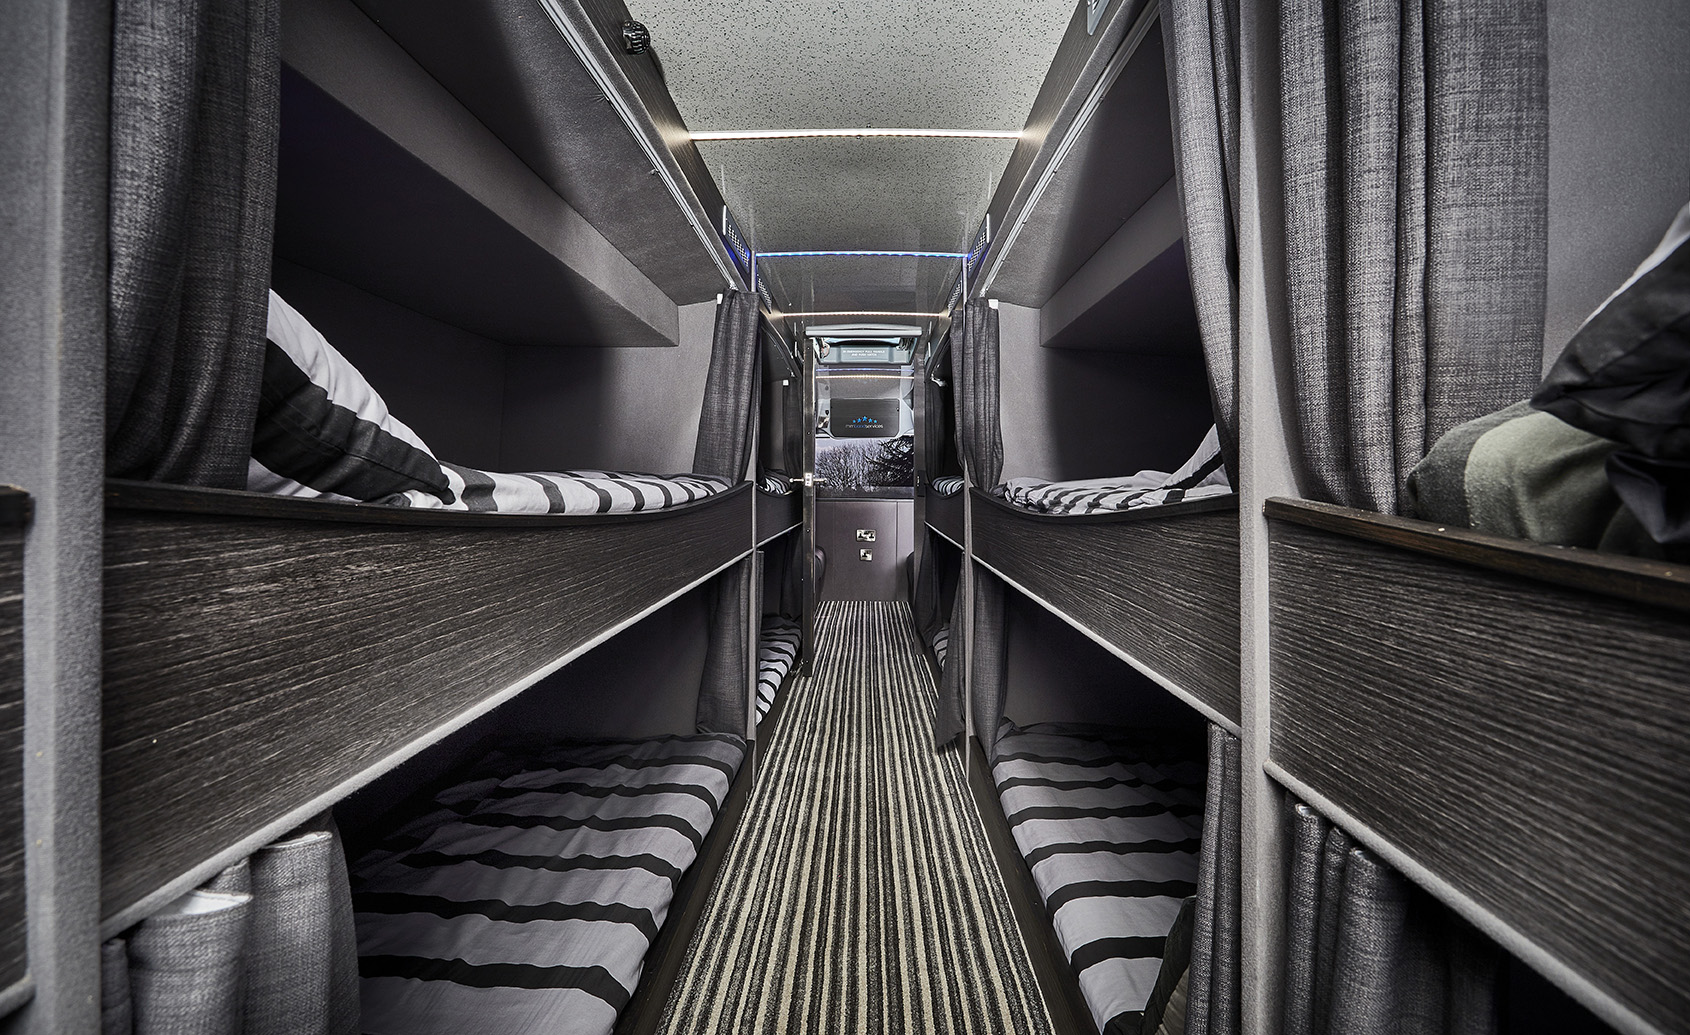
[[1202, 476], [561, 492]]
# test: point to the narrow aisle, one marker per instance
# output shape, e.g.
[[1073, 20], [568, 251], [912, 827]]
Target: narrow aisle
[[860, 894]]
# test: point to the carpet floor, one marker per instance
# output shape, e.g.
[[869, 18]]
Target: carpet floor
[[859, 894]]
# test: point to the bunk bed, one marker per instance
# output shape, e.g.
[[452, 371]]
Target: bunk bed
[[1536, 753], [14, 959]]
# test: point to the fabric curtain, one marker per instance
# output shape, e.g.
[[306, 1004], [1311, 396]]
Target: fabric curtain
[[974, 387], [195, 116], [1415, 237], [1214, 988], [723, 694], [1200, 44], [727, 424], [1368, 953], [727, 435], [926, 591], [267, 945]]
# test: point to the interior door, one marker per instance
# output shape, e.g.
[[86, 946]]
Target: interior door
[[811, 577]]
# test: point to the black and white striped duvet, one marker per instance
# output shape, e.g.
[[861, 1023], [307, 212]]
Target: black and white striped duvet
[[776, 483], [949, 485], [777, 650], [561, 492], [1202, 476], [942, 644], [1110, 827], [527, 898]]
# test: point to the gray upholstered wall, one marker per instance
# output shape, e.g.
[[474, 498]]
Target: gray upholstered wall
[[1619, 150], [632, 409], [1070, 413], [447, 384]]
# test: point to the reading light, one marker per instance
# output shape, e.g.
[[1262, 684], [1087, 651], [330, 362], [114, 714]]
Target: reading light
[[636, 38], [781, 134]]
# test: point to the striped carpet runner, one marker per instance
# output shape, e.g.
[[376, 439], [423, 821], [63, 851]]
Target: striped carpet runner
[[859, 894]]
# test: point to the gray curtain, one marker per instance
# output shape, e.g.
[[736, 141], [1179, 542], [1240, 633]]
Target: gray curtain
[[974, 387], [1200, 42], [194, 127], [1367, 953], [1415, 237], [727, 425], [1214, 987], [723, 692], [278, 953], [926, 592], [727, 434]]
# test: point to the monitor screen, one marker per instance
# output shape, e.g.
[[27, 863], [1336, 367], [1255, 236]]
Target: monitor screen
[[863, 418]]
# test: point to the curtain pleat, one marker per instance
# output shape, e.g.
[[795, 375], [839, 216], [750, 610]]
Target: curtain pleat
[[1214, 1005], [974, 385], [268, 945], [1368, 953], [1416, 229], [195, 116], [1200, 43], [727, 424], [723, 693]]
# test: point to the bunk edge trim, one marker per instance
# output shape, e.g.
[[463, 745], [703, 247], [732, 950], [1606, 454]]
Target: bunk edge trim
[[153, 901], [122, 494], [1203, 708], [1571, 981], [936, 530], [765, 540], [1165, 512], [16, 509], [15, 995], [1641, 581]]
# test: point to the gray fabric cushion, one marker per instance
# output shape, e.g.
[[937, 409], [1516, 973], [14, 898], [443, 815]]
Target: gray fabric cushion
[[187, 966], [195, 114]]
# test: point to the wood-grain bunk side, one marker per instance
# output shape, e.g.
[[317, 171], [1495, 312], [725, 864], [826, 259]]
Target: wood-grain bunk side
[[14, 956], [1509, 716], [1159, 587], [265, 655]]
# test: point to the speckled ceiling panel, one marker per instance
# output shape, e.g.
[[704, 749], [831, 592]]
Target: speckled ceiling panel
[[831, 283], [863, 64]]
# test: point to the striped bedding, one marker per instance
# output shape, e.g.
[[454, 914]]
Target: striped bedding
[[949, 485], [526, 899], [561, 492], [1202, 476], [1110, 826], [776, 483], [777, 649], [941, 644]]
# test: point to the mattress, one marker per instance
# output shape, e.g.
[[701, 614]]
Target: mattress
[[1110, 825], [942, 644], [776, 483], [527, 897], [777, 650], [561, 492], [949, 485], [1202, 476]]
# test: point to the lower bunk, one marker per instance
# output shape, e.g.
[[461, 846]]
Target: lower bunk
[[526, 896], [777, 654], [1109, 823]]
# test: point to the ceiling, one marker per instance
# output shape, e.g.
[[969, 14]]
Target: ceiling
[[879, 64]]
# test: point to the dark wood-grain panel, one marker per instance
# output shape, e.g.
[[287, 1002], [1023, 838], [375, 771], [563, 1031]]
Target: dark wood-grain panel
[[1160, 584], [944, 513], [14, 959], [777, 514], [1524, 739], [253, 663]]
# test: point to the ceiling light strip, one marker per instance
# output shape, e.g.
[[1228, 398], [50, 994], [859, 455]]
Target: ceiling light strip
[[850, 254], [788, 134], [1111, 72], [857, 312]]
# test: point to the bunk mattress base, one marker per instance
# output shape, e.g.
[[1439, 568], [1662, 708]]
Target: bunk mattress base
[[265, 655], [1507, 723], [1158, 586]]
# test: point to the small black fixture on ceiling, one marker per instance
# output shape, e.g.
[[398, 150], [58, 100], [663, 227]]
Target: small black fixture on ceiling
[[636, 38]]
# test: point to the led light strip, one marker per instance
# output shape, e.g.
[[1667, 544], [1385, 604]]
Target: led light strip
[[910, 255], [784, 134], [857, 312]]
